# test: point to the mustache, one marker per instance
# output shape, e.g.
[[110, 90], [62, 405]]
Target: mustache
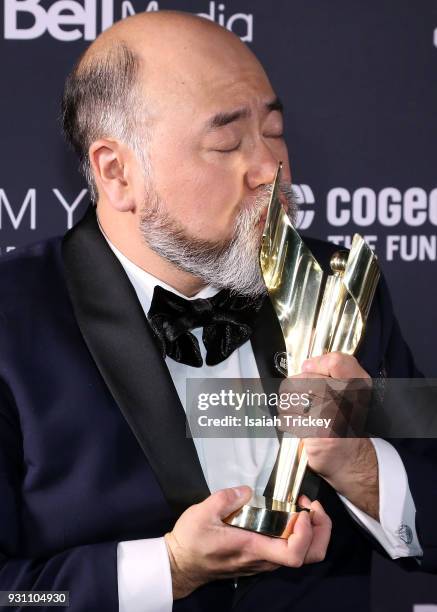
[[252, 211]]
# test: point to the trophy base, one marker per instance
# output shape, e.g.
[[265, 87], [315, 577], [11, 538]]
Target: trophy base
[[266, 516]]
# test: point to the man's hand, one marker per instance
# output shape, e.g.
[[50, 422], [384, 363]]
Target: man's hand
[[349, 465], [201, 547]]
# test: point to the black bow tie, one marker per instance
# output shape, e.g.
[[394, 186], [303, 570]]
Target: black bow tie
[[227, 322]]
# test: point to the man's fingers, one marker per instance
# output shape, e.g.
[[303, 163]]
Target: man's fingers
[[304, 501], [335, 365], [307, 543], [221, 504], [321, 534], [291, 552]]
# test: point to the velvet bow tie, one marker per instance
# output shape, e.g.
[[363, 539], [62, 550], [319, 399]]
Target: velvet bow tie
[[227, 322]]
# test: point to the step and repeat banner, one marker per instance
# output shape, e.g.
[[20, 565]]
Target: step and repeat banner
[[359, 83]]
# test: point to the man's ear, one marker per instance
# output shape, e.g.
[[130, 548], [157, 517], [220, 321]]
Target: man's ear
[[113, 164]]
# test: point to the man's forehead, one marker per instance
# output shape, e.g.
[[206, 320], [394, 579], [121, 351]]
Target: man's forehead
[[231, 85], [211, 74], [238, 97], [209, 89], [180, 51], [223, 118]]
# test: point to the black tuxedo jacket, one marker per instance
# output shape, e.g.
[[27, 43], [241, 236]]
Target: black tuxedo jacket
[[93, 449]]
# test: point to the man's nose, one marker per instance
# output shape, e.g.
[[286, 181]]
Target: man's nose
[[262, 169]]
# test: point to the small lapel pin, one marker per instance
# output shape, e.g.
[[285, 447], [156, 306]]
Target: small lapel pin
[[280, 362]]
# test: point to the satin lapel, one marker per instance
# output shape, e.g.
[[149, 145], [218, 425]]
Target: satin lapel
[[117, 334], [267, 340]]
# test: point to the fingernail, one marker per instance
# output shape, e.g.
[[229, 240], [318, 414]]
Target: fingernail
[[238, 491]]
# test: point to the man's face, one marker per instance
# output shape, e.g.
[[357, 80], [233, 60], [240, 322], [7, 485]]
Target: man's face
[[217, 138]]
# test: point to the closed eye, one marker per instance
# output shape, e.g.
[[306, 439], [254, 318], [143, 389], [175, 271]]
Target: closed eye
[[281, 135], [229, 150]]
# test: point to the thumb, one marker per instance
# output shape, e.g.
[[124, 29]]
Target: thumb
[[222, 503]]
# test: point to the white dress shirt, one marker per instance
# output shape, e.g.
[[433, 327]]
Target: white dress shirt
[[144, 577]]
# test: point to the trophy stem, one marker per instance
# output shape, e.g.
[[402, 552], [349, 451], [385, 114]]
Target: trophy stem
[[292, 461]]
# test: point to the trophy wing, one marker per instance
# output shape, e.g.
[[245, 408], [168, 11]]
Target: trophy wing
[[293, 279], [360, 279]]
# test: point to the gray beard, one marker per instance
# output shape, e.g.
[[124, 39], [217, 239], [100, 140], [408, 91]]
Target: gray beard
[[228, 264]]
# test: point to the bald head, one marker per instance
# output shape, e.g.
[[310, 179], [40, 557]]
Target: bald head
[[169, 39], [161, 29], [138, 64]]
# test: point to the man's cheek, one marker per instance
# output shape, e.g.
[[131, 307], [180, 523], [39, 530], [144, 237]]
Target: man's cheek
[[216, 216], [215, 226]]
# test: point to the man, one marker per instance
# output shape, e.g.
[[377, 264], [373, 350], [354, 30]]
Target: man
[[179, 133]]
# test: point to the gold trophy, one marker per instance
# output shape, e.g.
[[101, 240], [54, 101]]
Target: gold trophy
[[313, 322]]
